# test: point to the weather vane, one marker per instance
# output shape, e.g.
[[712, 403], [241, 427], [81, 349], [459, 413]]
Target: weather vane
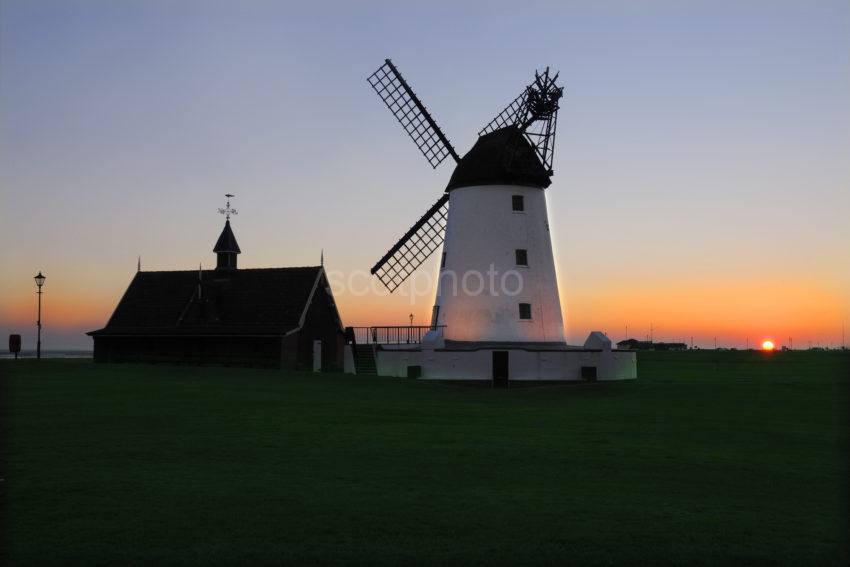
[[227, 211]]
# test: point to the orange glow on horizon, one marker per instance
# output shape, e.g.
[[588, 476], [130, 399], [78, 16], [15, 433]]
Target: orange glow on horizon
[[60, 311], [767, 345], [729, 308]]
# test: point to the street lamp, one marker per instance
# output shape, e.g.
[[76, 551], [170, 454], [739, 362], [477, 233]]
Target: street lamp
[[39, 281]]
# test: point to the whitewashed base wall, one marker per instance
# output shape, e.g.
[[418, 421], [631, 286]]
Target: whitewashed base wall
[[523, 364]]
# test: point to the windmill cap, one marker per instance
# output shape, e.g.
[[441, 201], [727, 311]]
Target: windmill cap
[[502, 157]]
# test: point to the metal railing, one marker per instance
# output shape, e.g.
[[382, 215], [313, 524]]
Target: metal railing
[[406, 334]]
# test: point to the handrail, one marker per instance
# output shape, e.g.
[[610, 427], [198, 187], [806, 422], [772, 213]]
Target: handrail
[[390, 335]]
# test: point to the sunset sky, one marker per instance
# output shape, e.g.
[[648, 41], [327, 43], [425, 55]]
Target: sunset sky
[[702, 168]]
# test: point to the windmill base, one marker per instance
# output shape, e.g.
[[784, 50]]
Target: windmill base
[[505, 362]]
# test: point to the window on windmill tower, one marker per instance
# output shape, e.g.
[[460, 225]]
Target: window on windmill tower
[[443, 261], [518, 203], [521, 257], [525, 311]]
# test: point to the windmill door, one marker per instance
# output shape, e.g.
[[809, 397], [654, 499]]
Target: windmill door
[[500, 368], [317, 356]]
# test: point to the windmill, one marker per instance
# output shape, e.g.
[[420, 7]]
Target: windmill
[[492, 217]]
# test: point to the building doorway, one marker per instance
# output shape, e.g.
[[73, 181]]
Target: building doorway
[[500, 368]]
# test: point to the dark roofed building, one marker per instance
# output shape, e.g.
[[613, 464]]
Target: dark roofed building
[[634, 344], [256, 317], [671, 346]]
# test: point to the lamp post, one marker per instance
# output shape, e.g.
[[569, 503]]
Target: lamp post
[[39, 281]]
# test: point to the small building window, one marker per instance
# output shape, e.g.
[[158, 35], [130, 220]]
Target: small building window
[[521, 257], [443, 261], [518, 203], [525, 311]]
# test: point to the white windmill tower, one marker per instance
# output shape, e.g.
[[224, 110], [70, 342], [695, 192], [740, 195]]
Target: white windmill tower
[[497, 274]]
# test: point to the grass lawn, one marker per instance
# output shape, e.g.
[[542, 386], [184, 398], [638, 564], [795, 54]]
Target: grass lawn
[[706, 459]]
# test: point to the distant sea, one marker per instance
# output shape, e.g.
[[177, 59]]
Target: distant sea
[[49, 354]]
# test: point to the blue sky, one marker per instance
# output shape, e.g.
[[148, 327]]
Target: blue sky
[[698, 142]]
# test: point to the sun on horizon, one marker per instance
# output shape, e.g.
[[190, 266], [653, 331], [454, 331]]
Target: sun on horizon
[[767, 345]]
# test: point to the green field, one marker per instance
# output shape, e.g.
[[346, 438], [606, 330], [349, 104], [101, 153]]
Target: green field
[[707, 459]]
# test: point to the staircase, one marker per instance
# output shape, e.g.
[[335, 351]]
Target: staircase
[[365, 360]]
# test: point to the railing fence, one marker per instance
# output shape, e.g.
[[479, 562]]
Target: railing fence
[[407, 334]]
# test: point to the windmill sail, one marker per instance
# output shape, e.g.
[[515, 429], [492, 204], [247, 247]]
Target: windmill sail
[[411, 114], [535, 113], [414, 247]]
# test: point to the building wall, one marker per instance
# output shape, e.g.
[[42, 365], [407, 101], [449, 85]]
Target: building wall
[[523, 364], [321, 324], [482, 234], [289, 352], [236, 351], [292, 352]]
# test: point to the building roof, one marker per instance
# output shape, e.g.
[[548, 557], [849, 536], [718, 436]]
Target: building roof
[[597, 340], [649, 345], [269, 301], [227, 241], [502, 157]]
